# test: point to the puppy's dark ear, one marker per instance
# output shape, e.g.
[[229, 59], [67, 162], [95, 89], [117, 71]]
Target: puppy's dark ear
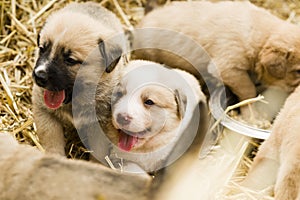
[[111, 55], [275, 61], [181, 101]]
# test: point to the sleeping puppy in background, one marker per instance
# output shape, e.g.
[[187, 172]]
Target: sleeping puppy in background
[[148, 108], [68, 37], [240, 38], [278, 158]]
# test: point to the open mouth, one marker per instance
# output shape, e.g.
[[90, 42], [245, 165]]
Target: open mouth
[[128, 139], [54, 99]]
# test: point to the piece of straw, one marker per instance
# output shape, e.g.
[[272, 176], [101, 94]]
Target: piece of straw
[[41, 12], [110, 163], [242, 103], [9, 94], [123, 15], [22, 28]]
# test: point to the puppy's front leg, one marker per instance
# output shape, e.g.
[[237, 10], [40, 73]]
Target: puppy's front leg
[[50, 132], [241, 85], [264, 169], [288, 182]]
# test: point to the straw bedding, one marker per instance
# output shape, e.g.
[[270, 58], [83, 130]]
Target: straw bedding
[[21, 20]]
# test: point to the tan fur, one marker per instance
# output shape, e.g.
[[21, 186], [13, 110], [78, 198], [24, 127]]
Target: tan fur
[[238, 36], [278, 158], [28, 174], [77, 27]]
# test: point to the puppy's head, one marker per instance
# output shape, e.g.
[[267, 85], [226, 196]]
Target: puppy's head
[[279, 62], [65, 41], [143, 112]]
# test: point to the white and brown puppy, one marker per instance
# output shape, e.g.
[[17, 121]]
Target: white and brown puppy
[[146, 118], [239, 37], [69, 36], [148, 110]]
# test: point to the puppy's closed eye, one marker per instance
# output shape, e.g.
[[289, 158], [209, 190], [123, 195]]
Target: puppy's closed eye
[[71, 61]]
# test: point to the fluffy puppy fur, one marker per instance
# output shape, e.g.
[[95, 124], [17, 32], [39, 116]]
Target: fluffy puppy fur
[[148, 106], [149, 116], [40, 176], [239, 37], [68, 37], [278, 158]]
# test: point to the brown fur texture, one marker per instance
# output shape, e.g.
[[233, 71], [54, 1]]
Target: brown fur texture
[[77, 29], [239, 37], [29, 174], [278, 158]]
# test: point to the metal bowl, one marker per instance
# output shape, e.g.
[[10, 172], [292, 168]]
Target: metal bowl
[[217, 105]]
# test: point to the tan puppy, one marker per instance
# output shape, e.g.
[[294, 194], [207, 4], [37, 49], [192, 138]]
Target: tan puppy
[[239, 37], [72, 37], [149, 110], [278, 158], [40, 176]]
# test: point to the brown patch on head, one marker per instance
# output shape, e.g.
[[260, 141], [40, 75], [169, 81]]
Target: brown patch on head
[[279, 62], [274, 62], [281, 66], [161, 97]]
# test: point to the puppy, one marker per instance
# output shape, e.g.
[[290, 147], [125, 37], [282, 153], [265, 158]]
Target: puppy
[[148, 108], [278, 158], [39, 176], [240, 38], [72, 37]]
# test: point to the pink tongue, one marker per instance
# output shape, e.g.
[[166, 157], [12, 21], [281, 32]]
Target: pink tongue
[[126, 142], [53, 99]]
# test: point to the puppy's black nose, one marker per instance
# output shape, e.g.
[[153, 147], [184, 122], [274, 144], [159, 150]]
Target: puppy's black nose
[[123, 119], [41, 77]]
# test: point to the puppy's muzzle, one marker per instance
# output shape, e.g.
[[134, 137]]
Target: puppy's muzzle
[[41, 77], [123, 119]]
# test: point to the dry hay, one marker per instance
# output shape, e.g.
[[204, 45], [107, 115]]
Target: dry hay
[[21, 20]]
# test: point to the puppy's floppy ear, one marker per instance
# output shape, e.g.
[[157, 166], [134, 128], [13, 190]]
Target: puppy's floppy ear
[[274, 62], [181, 101], [111, 55]]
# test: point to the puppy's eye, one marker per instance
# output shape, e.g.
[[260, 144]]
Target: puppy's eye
[[70, 61], [149, 102]]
